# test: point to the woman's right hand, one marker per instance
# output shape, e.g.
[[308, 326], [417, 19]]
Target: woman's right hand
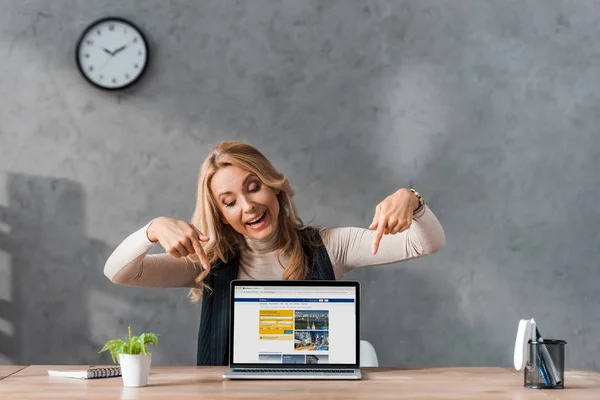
[[179, 238]]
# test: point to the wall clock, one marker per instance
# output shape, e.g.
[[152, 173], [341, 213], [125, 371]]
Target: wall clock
[[112, 53]]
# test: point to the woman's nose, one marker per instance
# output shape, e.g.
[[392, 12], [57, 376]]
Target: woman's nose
[[249, 206]]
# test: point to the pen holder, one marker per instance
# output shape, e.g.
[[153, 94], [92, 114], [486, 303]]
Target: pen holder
[[545, 367]]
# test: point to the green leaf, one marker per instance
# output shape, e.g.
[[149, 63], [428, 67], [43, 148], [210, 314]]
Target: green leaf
[[110, 344], [130, 341], [118, 349], [140, 343], [114, 346], [151, 338], [135, 346]]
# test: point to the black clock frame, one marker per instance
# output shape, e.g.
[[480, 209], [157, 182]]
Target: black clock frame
[[92, 26]]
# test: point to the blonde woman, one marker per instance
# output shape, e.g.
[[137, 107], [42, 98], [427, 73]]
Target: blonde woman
[[245, 226]]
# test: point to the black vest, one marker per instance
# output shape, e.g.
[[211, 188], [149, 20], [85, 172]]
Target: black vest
[[213, 335]]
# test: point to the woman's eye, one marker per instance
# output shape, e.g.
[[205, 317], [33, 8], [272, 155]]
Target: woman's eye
[[230, 204], [254, 188]]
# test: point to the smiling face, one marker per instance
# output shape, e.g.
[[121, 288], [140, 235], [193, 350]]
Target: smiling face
[[245, 202]]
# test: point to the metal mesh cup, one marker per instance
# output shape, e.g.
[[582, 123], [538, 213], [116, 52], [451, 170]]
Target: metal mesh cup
[[545, 367]]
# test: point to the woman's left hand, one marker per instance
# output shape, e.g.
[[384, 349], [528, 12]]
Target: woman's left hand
[[393, 215]]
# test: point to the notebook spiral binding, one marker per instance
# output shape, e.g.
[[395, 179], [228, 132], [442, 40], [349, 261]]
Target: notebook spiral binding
[[98, 372]]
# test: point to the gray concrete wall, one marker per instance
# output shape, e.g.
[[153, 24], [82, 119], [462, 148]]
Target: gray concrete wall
[[490, 108]]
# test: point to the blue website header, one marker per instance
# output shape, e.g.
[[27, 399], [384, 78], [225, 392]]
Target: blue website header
[[293, 300]]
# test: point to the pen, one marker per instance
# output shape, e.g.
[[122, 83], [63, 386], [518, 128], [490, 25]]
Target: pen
[[538, 359], [547, 359]]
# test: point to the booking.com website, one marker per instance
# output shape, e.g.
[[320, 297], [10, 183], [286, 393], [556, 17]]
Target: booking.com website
[[294, 325]]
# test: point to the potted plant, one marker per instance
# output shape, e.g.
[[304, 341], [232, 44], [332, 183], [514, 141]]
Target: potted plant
[[133, 357]]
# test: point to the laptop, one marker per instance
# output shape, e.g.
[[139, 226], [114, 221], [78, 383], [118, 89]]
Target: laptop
[[294, 330]]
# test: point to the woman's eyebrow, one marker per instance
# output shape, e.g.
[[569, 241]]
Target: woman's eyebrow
[[247, 178]]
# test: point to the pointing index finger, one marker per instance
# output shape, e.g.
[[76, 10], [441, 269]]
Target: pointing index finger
[[200, 250], [201, 255], [379, 234]]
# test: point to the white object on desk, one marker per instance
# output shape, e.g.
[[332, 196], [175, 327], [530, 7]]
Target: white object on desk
[[91, 372], [524, 333], [136, 368], [368, 356]]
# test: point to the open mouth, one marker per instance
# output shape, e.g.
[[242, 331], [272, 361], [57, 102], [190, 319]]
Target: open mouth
[[258, 220]]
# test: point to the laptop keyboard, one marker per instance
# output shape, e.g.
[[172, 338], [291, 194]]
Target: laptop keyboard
[[287, 370]]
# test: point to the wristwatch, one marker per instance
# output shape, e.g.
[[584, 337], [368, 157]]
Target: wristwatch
[[419, 197]]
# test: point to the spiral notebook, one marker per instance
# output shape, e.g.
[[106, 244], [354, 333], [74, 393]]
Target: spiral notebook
[[91, 372]]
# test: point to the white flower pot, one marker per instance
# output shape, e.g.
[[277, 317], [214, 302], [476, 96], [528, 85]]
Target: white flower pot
[[135, 369]]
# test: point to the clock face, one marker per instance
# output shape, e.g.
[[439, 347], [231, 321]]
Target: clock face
[[112, 53]]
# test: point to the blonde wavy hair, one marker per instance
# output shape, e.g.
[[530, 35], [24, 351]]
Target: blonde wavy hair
[[224, 241]]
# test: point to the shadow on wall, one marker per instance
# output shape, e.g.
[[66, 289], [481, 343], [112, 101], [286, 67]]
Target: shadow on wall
[[56, 305], [51, 263], [9, 321]]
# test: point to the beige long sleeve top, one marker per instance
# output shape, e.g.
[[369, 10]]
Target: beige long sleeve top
[[348, 248]]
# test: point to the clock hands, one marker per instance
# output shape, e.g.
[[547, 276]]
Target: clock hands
[[112, 53], [119, 49], [123, 47]]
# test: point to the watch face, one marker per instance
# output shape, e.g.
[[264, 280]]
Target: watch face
[[112, 53]]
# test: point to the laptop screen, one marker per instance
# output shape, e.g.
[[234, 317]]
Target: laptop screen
[[295, 324]]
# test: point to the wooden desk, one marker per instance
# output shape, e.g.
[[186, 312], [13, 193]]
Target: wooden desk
[[172, 383], [6, 370]]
